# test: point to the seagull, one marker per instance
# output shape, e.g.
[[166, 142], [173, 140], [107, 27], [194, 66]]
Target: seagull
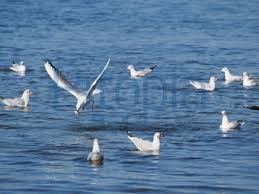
[[22, 101], [83, 98], [144, 145], [247, 81], [252, 107], [211, 86], [142, 73], [229, 77], [95, 155], [227, 125], [20, 68]]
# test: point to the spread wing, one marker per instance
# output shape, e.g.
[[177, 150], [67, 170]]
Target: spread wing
[[61, 81], [96, 81]]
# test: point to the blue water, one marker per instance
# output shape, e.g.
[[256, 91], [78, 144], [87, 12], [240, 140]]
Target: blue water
[[43, 149]]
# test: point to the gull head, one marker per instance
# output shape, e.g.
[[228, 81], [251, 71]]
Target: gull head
[[224, 69], [157, 135], [130, 67], [213, 79], [223, 112], [245, 74], [27, 92], [21, 63]]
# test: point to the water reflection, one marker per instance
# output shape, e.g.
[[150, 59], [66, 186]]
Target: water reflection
[[24, 109]]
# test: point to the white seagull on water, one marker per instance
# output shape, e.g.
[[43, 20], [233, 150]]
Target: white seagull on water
[[22, 101], [83, 98], [248, 81], [19, 68], [95, 156], [229, 77], [144, 145], [141, 73], [211, 86], [227, 125]]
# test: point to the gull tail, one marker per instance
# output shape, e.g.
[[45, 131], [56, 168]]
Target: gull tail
[[1, 98], [195, 84], [241, 122], [152, 68]]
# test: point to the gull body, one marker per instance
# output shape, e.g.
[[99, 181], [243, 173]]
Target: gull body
[[252, 107], [144, 145], [19, 68], [22, 101], [229, 77], [247, 81], [141, 73], [227, 125], [95, 155], [211, 86], [83, 98]]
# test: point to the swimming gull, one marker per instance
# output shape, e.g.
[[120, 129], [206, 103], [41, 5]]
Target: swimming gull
[[95, 155], [229, 77], [141, 73], [144, 145], [20, 68], [22, 101], [248, 81], [211, 86], [227, 125]]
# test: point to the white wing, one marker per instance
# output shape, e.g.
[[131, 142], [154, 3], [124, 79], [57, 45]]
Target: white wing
[[61, 81], [142, 145], [197, 85], [13, 102], [95, 83]]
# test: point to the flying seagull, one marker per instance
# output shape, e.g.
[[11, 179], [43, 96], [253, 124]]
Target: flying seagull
[[83, 98]]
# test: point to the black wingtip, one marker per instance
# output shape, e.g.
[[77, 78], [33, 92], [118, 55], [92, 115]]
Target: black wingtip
[[153, 67], [129, 134], [13, 62]]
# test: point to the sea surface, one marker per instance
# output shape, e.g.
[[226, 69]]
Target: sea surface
[[43, 148]]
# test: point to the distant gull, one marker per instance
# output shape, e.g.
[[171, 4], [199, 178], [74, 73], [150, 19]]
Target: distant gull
[[22, 101], [19, 68], [227, 125], [252, 107], [144, 145], [141, 73], [211, 86], [95, 156], [229, 77], [248, 81], [83, 98]]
